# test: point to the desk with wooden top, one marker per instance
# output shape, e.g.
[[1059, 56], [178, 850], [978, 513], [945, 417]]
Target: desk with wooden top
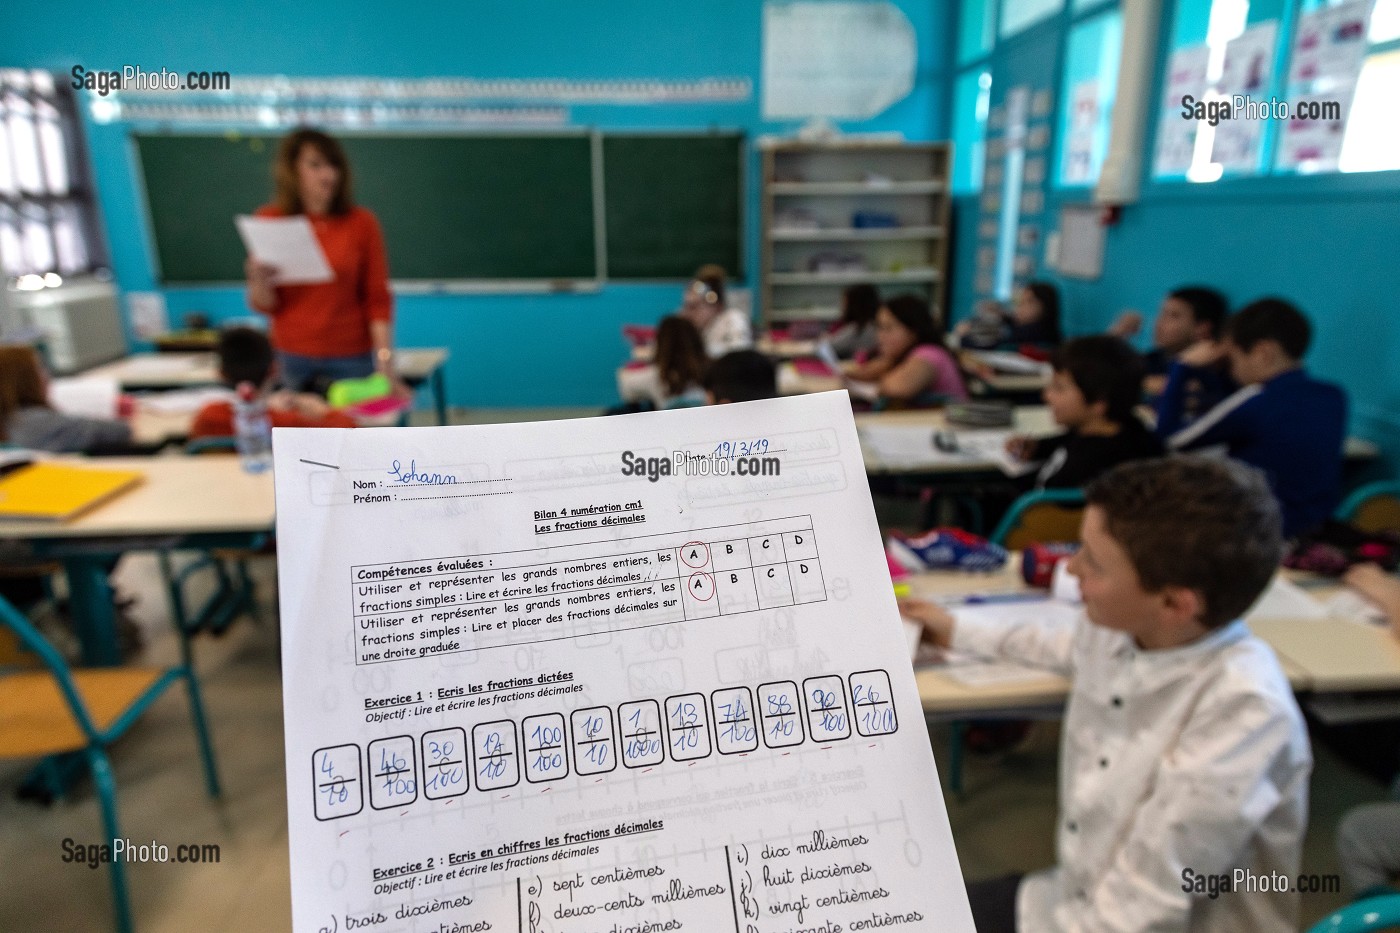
[[1319, 656], [415, 365], [181, 502]]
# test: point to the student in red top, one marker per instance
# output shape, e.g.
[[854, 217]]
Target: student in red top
[[246, 356], [330, 330]]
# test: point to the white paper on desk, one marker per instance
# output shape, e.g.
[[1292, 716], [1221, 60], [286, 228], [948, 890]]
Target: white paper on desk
[[85, 396], [1284, 599], [912, 447], [288, 243], [480, 621], [974, 671], [1347, 603], [1006, 361], [184, 401]]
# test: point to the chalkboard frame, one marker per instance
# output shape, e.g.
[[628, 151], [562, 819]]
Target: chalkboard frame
[[449, 285]]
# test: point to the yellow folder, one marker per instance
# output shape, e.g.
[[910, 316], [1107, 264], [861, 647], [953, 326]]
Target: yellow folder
[[59, 491]]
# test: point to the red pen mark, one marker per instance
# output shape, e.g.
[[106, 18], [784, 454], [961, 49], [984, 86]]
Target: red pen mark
[[826, 748], [691, 765], [342, 834], [545, 791]]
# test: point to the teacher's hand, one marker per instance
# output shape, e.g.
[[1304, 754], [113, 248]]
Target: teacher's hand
[[259, 274], [262, 281]]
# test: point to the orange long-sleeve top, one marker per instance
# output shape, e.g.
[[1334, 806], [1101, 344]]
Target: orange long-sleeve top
[[332, 318]]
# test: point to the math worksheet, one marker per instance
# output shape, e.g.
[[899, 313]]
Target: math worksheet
[[613, 675]]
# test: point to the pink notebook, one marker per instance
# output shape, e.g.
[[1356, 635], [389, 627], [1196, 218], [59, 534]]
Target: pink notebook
[[811, 366], [377, 407]]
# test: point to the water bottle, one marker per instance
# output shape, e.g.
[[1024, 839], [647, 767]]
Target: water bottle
[[252, 431]]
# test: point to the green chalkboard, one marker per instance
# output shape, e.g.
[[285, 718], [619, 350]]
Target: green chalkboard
[[470, 207], [674, 203], [452, 207]]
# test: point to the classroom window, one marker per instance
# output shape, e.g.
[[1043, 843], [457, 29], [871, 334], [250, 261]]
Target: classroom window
[[1089, 86], [1366, 78], [1017, 15], [1306, 63], [972, 97], [1372, 142], [976, 30], [47, 213], [1385, 21]]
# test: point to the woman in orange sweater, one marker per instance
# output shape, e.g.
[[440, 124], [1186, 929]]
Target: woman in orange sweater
[[339, 329]]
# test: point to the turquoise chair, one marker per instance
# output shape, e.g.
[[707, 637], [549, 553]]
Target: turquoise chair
[[1373, 508], [233, 587], [54, 710], [1366, 916], [1041, 515]]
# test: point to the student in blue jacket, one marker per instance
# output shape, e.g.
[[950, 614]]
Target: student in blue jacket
[[1281, 420]]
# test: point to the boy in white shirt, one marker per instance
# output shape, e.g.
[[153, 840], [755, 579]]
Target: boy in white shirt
[[1184, 764]]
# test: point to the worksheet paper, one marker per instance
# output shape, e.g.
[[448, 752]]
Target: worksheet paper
[[566, 676], [289, 244]]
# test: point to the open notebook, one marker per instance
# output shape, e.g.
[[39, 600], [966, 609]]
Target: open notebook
[[59, 491]]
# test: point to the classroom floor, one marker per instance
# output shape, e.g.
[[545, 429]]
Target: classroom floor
[[1003, 822]]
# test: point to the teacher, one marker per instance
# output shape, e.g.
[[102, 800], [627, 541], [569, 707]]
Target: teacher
[[339, 329]]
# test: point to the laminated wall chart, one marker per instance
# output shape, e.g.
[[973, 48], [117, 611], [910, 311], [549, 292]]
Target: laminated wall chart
[[623, 675]]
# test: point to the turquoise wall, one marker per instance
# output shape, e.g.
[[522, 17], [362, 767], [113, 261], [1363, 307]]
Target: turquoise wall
[[566, 346]]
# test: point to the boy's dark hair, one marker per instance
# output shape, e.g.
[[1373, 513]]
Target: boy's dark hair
[[1204, 523], [1106, 370], [1270, 319], [680, 354], [1207, 305], [1049, 298], [741, 376], [860, 304], [245, 355], [913, 312]]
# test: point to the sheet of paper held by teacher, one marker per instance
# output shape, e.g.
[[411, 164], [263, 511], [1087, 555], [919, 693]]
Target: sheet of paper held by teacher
[[614, 675], [287, 243]]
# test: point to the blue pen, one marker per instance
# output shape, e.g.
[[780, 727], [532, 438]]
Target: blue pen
[[992, 598]]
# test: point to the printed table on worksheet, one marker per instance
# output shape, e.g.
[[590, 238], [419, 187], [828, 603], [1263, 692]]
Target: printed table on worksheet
[[622, 675]]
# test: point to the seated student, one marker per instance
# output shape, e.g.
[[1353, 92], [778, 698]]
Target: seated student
[[1184, 755], [910, 365], [28, 420], [741, 376], [722, 328], [1186, 316], [680, 363], [1034, 319], [1282, 420], [245, 355], [855, 331], [1368, 837], [1095, 387]]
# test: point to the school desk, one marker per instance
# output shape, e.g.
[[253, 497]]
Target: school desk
[[153, 425], [945, 698], [1032, 420], [182, 502], [189, 370]]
